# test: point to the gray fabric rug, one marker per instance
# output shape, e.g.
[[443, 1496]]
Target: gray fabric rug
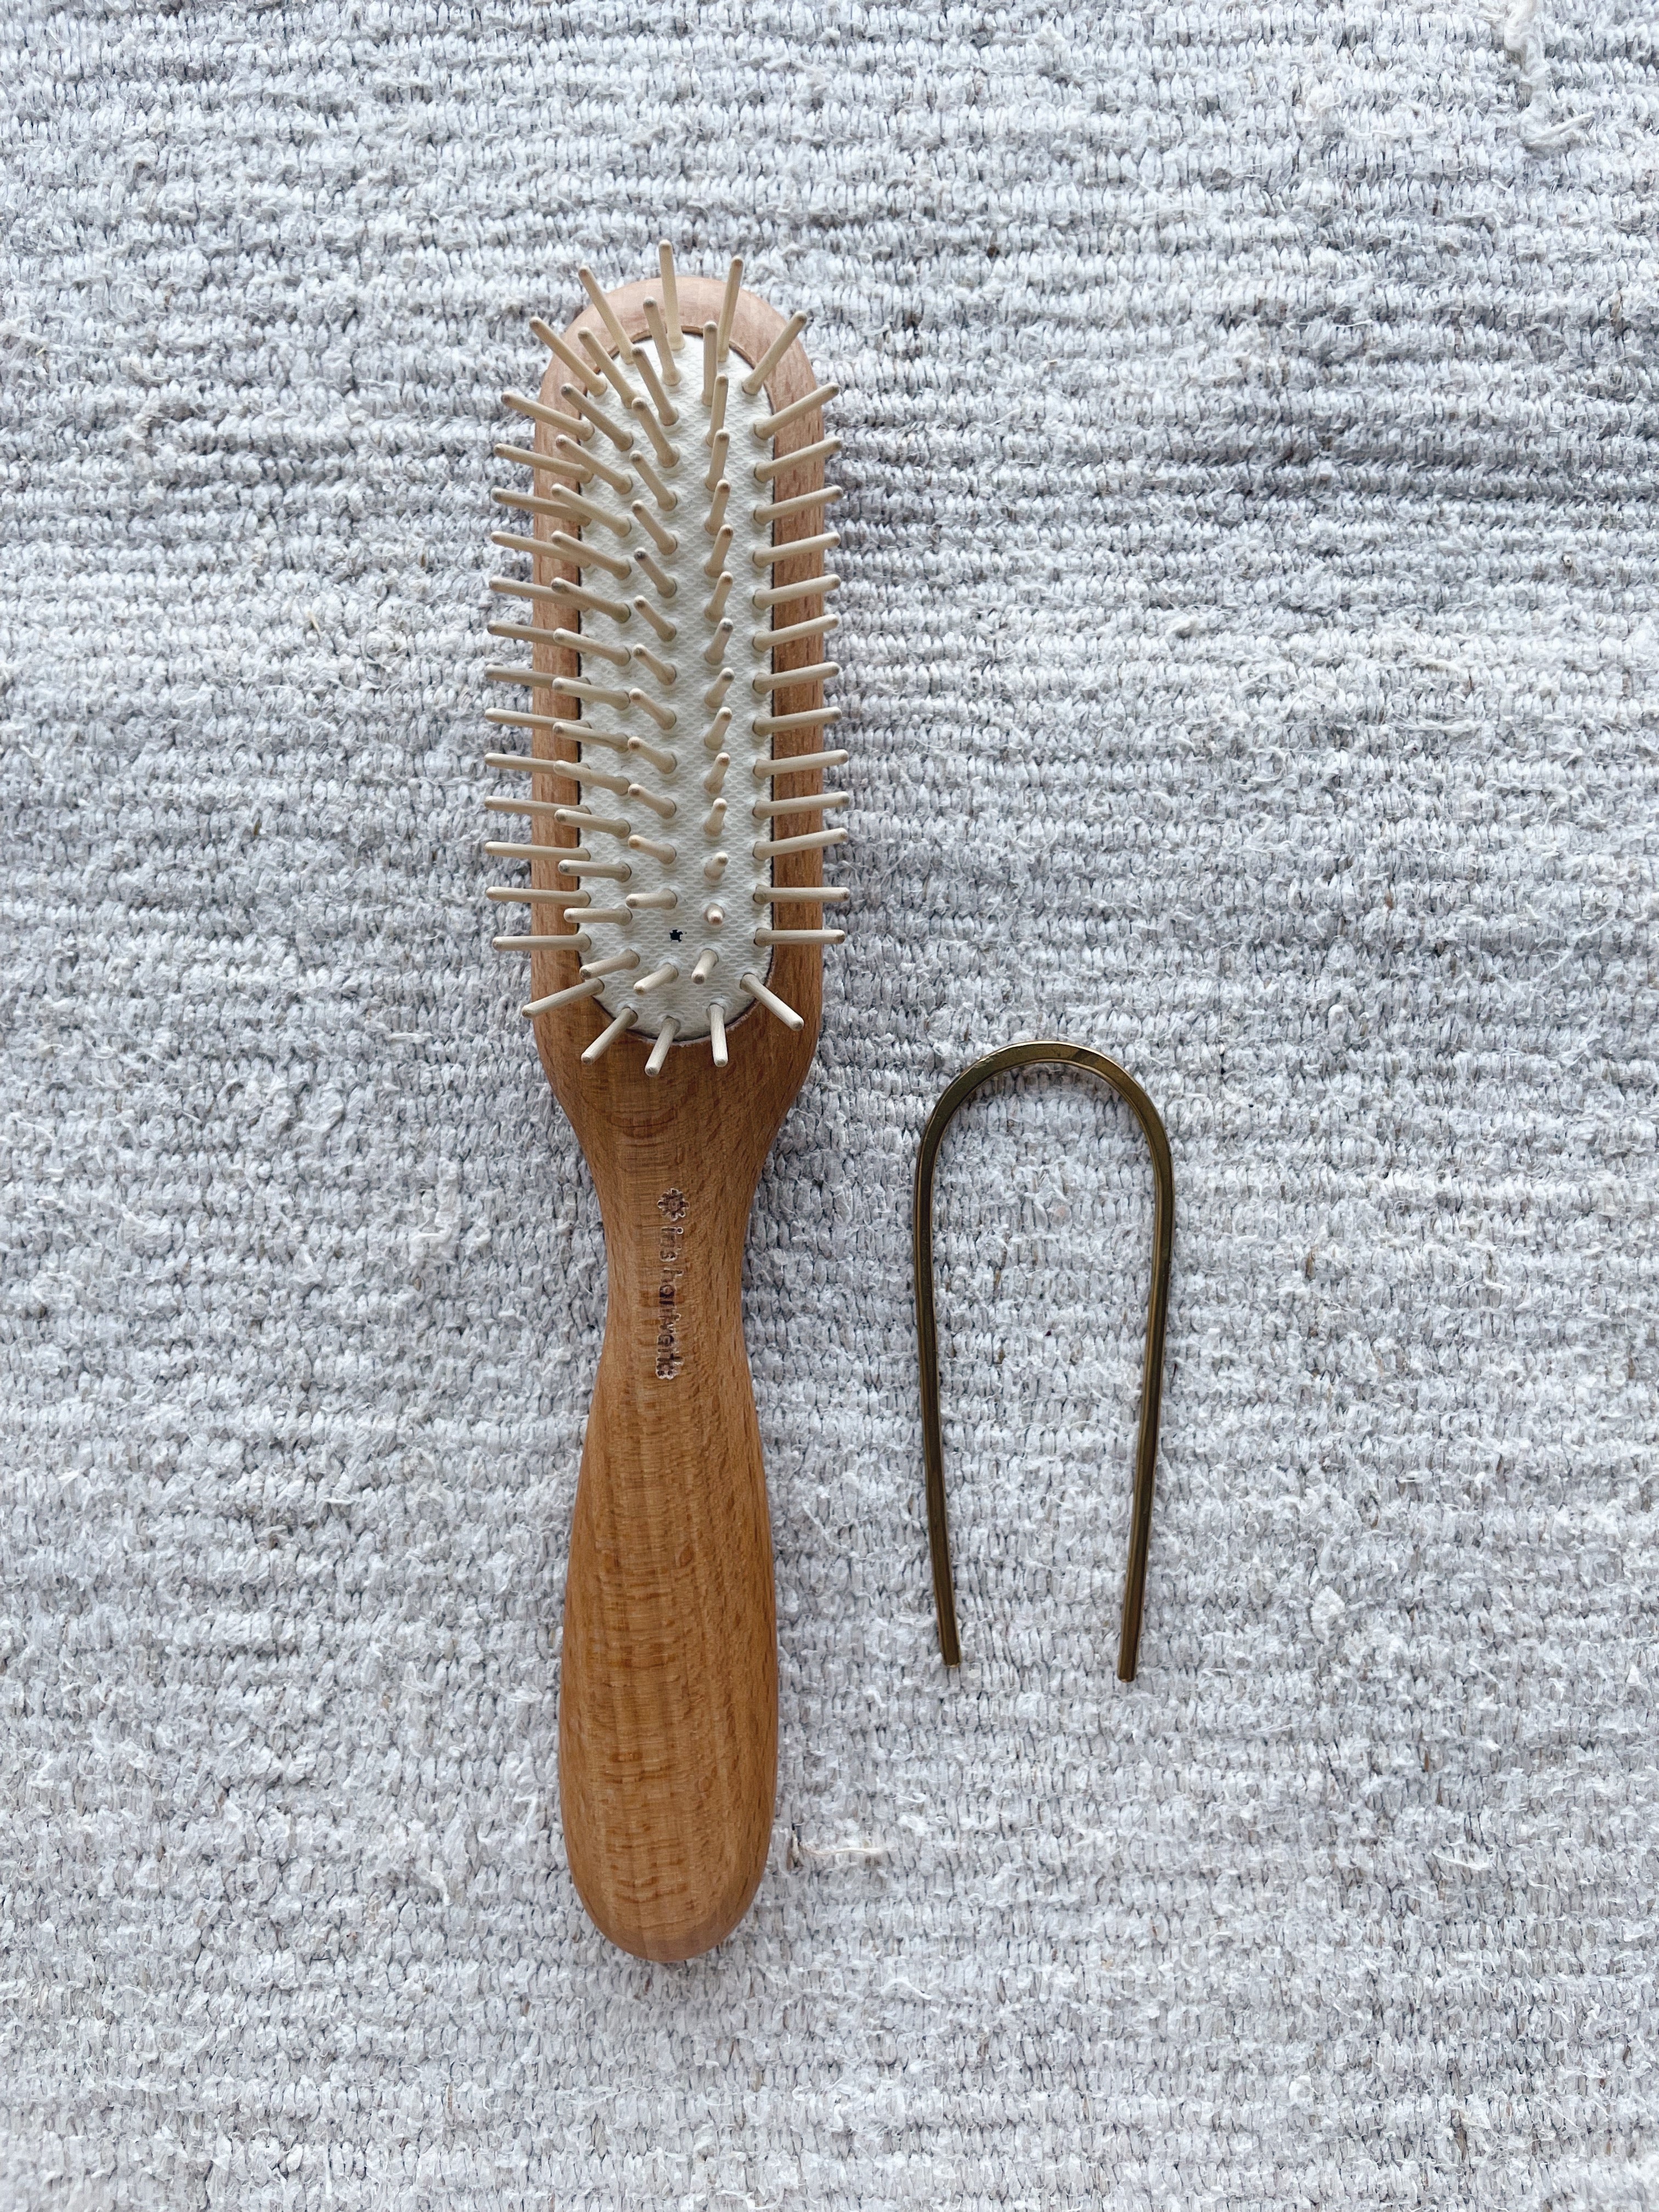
[[1248, 641]]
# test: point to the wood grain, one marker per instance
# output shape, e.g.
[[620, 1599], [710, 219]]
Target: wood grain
[[668, 1696]]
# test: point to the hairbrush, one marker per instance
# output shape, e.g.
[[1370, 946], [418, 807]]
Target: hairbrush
[[672, 537]]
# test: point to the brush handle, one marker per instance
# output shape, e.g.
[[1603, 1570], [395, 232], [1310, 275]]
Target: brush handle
[[668, 1713]]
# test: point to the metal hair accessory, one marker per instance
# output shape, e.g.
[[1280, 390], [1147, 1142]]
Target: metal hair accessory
[[1157, 1312]]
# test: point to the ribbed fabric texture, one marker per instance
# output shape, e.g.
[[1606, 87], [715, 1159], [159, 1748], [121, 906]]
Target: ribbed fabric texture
[[1249, 647]]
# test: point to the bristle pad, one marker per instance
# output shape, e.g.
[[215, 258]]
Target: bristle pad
[[714, 867]]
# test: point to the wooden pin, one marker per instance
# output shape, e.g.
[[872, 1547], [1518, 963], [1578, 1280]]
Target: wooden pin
[[767, 431], [666, 498], [590, 465], [716, 410], [803, 456], [667, 413], [593, 412], [539, 411], [607, 1037], [608, 369], [664, 808], [567, 356], [667, 630], [526, 457], [809, 718], [781, 679], [808, 588], [779, 510], [644, 414], [812, 841], [774, 354], [582, 555], [751, 982], [664, 717], [663, 540], [770, 640], [728, 310], [815, 802], [623, 343], [614, 872], [671, 296], [767, 556], [654, 324], [666, 1036], [566, 998], [535, 502], [659, 577]]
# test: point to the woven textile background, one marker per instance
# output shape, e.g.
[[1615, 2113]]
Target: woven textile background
[[1250, 656]]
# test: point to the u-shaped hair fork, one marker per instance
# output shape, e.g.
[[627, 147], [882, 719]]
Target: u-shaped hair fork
[[1158, 1313]]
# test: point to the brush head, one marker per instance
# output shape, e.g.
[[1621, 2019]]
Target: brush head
[[675, 614]]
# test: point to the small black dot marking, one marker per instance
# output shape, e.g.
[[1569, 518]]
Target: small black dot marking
[[674, 935]]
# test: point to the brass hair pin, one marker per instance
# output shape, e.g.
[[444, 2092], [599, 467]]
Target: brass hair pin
[[1157, 1312]]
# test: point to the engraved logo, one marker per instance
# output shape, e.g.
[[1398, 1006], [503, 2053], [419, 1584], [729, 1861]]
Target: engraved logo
[[670, 1250]]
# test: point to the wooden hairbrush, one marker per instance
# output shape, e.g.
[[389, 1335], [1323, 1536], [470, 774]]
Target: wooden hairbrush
[[674, 723]]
